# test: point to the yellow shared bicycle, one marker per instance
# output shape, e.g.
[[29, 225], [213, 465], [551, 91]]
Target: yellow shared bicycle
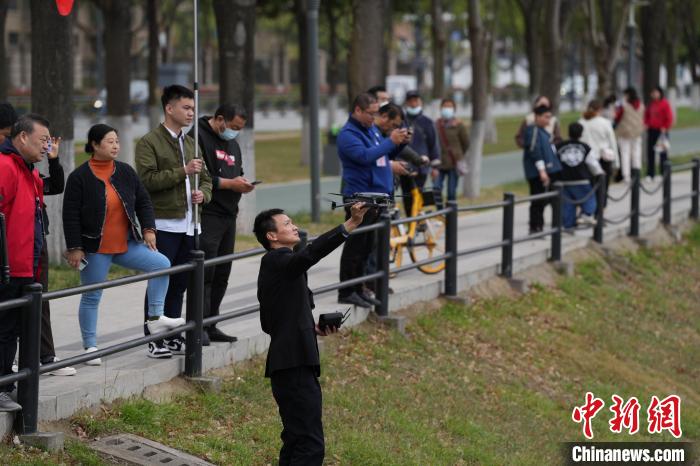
[[420, 239]]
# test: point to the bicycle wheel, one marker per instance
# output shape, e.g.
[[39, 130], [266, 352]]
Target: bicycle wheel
[[429, 241], [398, 246]]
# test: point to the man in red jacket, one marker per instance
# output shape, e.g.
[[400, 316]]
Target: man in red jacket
[[21, 197]]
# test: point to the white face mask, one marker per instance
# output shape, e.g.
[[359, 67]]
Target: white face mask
[[447, 113], [413, 111]]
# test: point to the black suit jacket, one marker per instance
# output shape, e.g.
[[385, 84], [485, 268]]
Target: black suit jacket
[[286, 303]]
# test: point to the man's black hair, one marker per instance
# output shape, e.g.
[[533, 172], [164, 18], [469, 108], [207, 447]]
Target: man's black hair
[[26, 123], [391, 110], [542, 109], [363, 101], [8, 115], [175, 92], [575, 131], [231, 111], [264, 224], [374, 90]]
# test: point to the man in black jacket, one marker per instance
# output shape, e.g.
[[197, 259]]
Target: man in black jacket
[[222, 154], [293, 363]]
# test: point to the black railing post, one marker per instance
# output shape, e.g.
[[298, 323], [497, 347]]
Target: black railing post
[[28, 389], [666, 219], [383, 251], [451, 247], [634, 207], [507, 248], [195, 313], [557, 204], [600, 200], [695, 200]]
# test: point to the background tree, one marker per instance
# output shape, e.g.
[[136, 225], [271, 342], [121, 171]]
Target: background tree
[[606, 28], [652, 24], [557, 16], [671, 42], [4, 78], [478, 40], [52, 97], [235, 26], [154, 108], [332, 11], [366, 56], [532, 17], [116, 15], [689, 19], [439, 39]]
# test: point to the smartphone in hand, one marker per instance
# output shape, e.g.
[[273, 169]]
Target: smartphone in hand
[[255, 182]]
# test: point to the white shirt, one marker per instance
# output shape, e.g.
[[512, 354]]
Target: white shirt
[[599, 134], [185, 224]]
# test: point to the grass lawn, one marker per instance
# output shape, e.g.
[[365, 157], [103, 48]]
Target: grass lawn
[[492, 383]]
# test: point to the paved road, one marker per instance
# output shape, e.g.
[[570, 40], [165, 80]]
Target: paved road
[[497, 169]]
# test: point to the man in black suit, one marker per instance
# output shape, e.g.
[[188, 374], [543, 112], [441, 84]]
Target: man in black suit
[[293, 363]]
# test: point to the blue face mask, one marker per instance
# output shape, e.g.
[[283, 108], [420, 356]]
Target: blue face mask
[[413, 111], [447, 112], [229, 134]]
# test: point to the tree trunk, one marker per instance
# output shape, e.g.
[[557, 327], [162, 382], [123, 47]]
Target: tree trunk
[[328, 9], [302, 67], [531, 10], [690, 36], [552, 54], [235, 26], [652, 24], [439, 47], [606, 33], [52, 97], [154, 107], [366, 54], [4, 75], [479, 59], [117, 43]]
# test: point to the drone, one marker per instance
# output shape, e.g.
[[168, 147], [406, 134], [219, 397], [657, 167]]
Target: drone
[[372, 200]]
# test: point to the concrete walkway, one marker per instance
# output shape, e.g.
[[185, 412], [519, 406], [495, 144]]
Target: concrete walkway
[[294, 196], [121, 312]]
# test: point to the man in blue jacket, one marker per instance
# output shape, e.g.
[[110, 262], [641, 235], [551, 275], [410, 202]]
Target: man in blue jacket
[[364, 155], [540, 163]]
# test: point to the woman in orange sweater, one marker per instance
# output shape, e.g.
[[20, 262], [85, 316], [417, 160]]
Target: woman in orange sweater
[[108, 217]]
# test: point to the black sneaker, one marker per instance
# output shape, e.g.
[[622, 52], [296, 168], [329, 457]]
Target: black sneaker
[[370, 299], [7, 404], [205, 338], [175, 345], [157, 350], [354, 299]]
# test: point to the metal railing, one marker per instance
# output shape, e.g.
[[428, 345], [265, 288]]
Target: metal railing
[[30, 369]]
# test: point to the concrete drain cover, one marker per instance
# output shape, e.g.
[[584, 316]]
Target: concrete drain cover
[[132, 449]]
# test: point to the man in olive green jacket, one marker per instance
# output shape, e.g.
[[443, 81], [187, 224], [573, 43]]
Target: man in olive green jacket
[[166, 165]]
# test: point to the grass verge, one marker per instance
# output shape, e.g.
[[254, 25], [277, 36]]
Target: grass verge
[[490, 383]]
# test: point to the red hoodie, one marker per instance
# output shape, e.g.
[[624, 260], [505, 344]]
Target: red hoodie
[[19, 189], [658, 115]]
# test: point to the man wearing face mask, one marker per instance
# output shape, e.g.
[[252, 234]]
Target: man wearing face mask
[[222, 155], [423, 141]]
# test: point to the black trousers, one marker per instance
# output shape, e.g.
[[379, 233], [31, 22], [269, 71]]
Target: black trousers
[[608, 168], [176, 247], [653, 136], [298, 396], [217, 239], [46, 350], [356, 250], [537, 207], [10, 320]]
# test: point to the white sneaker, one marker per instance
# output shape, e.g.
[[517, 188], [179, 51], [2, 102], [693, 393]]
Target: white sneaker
[[585, 219], [648, 180], [64, 371], [157, 350], [15, 366], [93, 362], [164, 323]]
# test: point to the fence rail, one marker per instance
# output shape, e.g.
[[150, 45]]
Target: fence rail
[[29, 368]]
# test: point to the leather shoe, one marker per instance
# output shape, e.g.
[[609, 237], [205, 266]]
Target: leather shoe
[[354, 299], [205, 338], [371, 299], [217, 335]]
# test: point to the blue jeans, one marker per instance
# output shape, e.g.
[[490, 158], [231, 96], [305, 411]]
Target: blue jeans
[[137, 257], [452, 180], [569, 209]]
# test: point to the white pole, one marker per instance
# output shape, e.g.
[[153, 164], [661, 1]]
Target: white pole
[[196, 119]]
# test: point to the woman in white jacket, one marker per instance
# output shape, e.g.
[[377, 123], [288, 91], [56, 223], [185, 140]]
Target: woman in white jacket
[[598, 133]]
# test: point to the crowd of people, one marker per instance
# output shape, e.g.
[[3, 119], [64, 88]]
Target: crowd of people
[[146, 218], [607, 140]]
